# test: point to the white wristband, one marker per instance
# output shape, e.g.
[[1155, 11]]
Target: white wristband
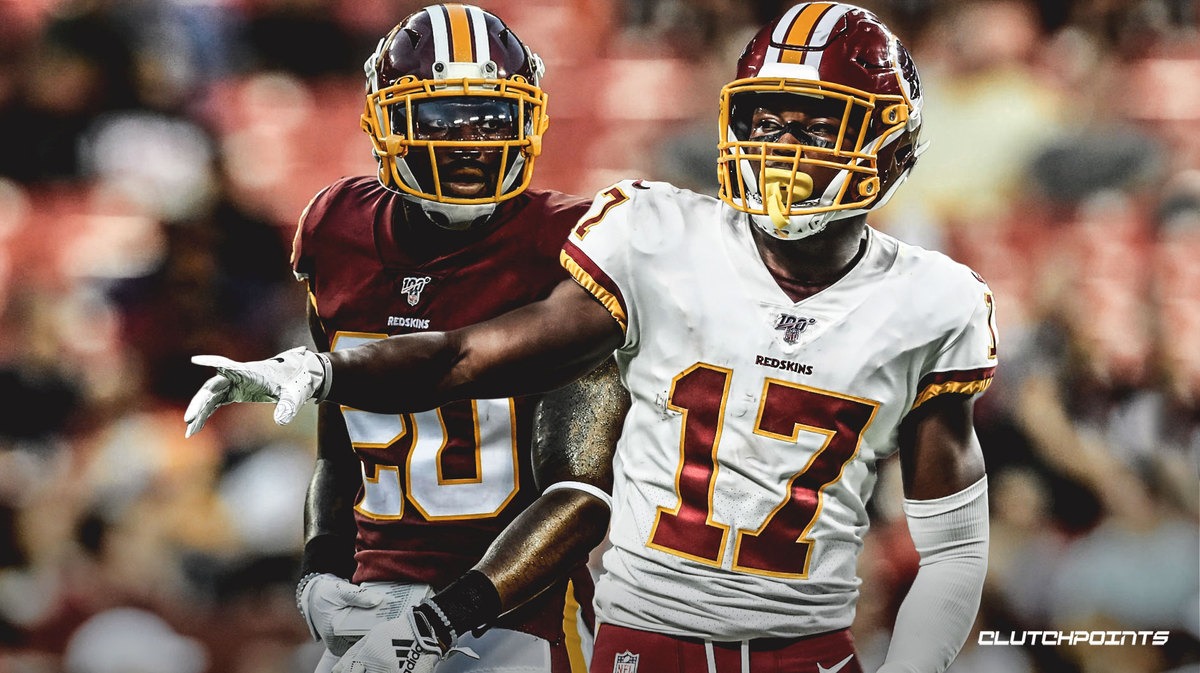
[[326, 378], [580, 486]]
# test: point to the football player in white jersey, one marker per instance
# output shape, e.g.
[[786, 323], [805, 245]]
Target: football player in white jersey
[[776, 348]]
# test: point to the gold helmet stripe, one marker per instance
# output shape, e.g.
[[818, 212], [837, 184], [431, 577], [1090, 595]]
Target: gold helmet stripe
[[801, 30], [462, 44]]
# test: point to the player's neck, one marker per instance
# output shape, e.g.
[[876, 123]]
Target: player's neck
[[421, 234], [806, 266]]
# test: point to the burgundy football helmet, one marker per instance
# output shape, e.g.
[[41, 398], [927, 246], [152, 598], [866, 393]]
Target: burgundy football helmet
[[845, 58], [453, 79]]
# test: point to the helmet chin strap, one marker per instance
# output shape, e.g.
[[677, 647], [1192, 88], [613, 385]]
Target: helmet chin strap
[[456, 216], [803, 226], [779, 191], [453, 216]]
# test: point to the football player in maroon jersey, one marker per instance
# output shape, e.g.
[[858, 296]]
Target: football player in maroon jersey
[[447, 234]]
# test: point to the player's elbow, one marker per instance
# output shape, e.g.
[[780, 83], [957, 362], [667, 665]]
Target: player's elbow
[[586, 510], [592, 515]]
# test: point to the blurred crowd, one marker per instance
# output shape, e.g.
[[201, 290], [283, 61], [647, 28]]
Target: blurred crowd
[[155, 154]]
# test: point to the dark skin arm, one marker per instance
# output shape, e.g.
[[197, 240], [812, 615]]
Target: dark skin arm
[[329, 527], [532, 349], [575, 435], [939, 453]]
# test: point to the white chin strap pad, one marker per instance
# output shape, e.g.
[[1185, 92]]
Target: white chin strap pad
[[455, 216]]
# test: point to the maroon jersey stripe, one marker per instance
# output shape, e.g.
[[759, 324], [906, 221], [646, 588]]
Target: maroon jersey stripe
[[595, 281]]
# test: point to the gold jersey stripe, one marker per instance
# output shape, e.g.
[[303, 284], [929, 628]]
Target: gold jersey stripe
[[961, 387], [801, 30], [461, 44], [596, 289], [312, 299], [571, 626]]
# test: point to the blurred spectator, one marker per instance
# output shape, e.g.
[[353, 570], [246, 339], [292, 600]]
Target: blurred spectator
[[302, 38], [125, 639], [161, 163], [986, 110], [221, 283], [82, 65]]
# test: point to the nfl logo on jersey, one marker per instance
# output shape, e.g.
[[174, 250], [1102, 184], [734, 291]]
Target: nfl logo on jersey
[[792, 326], [412, 286], [626, 662]]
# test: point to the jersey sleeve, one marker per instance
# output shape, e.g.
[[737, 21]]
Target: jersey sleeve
[[597, 252], [966, 362], [306, 231]]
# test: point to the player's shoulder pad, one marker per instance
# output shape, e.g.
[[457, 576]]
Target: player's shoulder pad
[[309, 228], [349, 188], [557, 211], [945, 281], [642, 189], [327, 199], [941, 294], [648, 211], [555, 201]]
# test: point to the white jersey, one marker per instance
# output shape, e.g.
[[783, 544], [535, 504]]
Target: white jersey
[[748, 456]]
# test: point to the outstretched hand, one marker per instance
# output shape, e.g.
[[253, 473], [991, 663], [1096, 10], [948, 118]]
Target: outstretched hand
[[289, 379]]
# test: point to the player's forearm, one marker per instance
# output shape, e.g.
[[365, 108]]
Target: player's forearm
[[416, 372], [534, 348], [935, 619], [540, 547], [544, 544], [393, 375], [575, 434], [328, 526]]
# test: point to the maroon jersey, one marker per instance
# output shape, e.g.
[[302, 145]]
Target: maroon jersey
[[439, 485]]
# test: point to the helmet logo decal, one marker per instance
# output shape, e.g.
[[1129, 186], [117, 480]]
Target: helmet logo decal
[[792, 326], [908, 73], [411, 286]]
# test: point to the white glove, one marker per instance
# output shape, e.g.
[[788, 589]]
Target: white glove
[[407, 644], [326, 597], [291, 378]]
